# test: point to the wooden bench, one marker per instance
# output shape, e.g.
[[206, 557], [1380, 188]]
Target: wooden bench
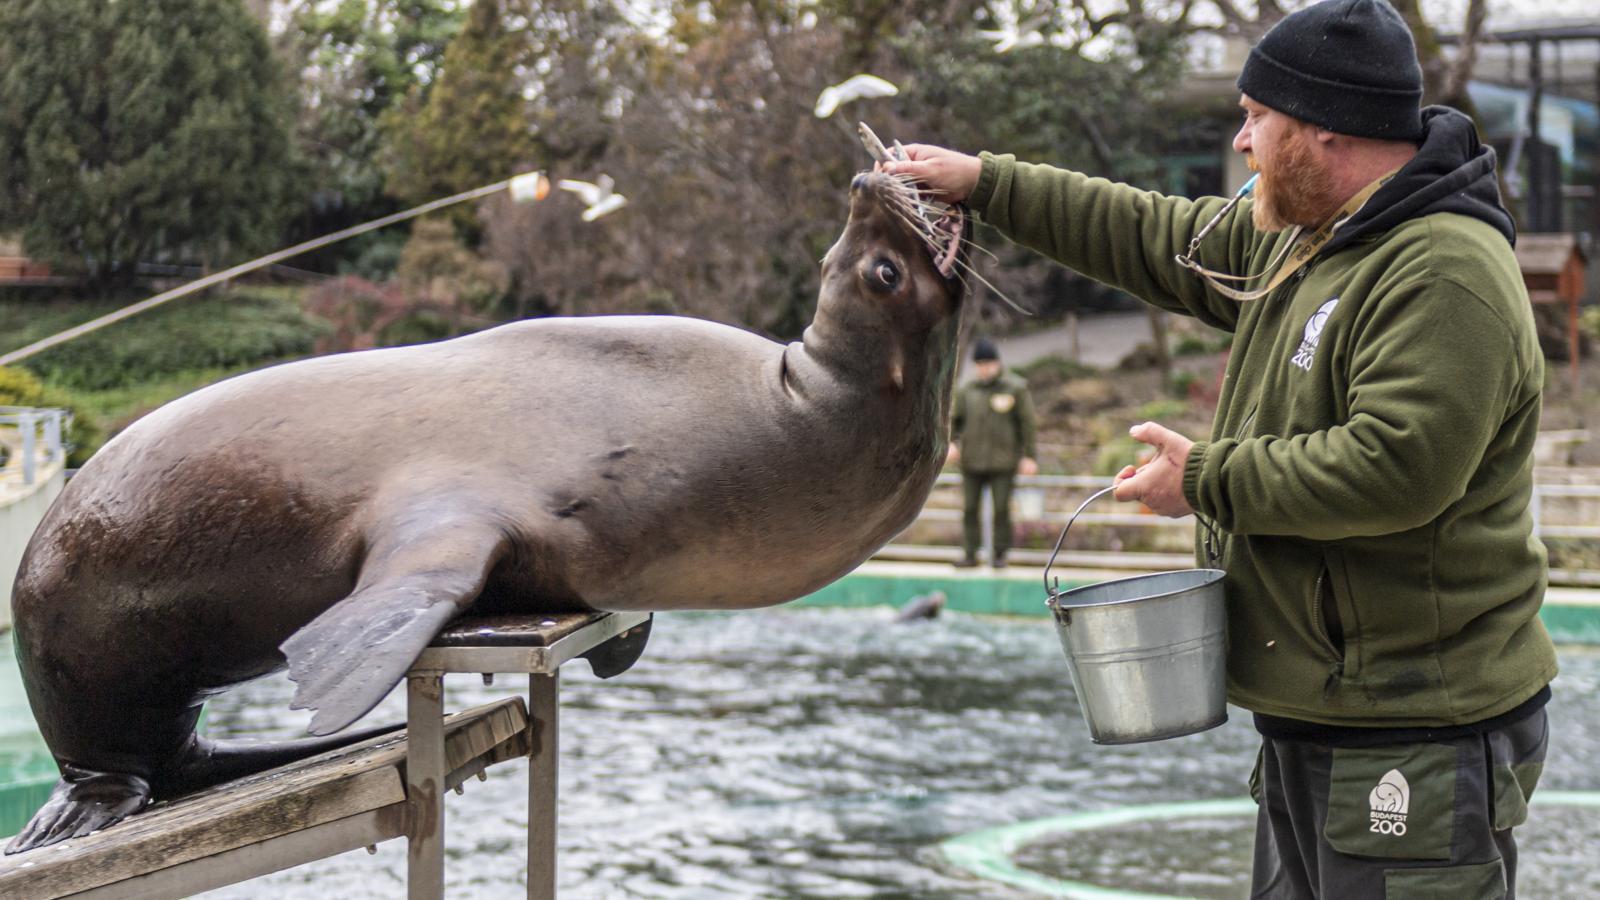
[[22, 270]]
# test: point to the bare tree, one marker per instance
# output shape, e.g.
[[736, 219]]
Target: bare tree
[[725, 169], [1445, 78]]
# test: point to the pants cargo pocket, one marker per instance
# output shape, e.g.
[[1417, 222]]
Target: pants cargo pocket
[[1255, 775], [1512, 788], [1392, 802], [1516, 760], [1485, 881]]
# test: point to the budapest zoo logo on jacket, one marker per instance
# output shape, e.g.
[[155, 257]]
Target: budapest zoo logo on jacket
[[1390, 801], [1308, 344]]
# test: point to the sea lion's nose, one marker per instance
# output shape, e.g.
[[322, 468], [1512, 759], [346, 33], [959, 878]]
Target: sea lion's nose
[[860, 181]]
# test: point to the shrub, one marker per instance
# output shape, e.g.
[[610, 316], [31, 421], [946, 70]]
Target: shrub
[[1183, 383], [19, 387], [243, 327], [1116, 453], [437, 267], [1161, 410], [1589, 322], [1049, 371]]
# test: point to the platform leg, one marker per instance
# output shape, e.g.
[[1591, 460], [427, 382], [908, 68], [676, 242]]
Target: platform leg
[[544, 738], [425, 782]]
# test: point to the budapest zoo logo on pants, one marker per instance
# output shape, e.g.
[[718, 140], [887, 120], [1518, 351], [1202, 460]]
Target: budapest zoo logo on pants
[[1389, 801]]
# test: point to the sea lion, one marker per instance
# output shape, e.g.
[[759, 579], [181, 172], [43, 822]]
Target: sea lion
[[920, 607], [334, 514]]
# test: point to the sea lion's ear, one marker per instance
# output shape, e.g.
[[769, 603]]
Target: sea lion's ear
[[412, 585]]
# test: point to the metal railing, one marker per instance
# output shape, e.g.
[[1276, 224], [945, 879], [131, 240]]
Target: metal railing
[[1550, 484], [32, 437]]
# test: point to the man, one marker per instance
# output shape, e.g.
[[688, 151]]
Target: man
[[1370, 464], [992, 437]]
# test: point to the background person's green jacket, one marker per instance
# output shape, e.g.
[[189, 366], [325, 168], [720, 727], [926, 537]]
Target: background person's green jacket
[[1371, 458], [993, 426]]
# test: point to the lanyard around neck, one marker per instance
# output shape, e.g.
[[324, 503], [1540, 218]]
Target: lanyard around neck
[[1296, 252]]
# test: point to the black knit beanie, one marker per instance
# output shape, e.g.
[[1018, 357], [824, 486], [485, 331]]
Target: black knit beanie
[[983, 350], [1345, 65]]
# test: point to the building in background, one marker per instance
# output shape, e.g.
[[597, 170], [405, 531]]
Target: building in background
[[1536, 88]]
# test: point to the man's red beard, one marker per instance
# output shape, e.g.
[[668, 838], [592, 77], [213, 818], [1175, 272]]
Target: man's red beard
[[1294, 189]]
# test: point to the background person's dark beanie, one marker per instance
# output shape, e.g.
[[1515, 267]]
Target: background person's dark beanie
[[984, 349], [1345, 65]]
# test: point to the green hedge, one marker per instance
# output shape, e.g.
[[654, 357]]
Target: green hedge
[[241, 327]]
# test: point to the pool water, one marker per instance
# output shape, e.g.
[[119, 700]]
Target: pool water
[[825, 753], [813, 752]]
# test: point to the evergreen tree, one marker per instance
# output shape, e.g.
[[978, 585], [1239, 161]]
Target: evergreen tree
[[139, 131], [357, 60], [470, 126]]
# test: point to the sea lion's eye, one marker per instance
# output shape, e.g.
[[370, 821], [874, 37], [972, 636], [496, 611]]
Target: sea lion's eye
[[886, 273]]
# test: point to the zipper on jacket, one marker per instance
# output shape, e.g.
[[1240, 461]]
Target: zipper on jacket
[[1319, 620], [1219, 551], [1239, 433], [1330, 685]]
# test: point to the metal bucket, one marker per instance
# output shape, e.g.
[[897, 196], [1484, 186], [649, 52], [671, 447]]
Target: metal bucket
[[1147, 653]]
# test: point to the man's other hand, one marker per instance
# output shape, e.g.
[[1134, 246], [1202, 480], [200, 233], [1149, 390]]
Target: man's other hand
[[1158, 483], [1027, 467], [949, 175], [953, 456]]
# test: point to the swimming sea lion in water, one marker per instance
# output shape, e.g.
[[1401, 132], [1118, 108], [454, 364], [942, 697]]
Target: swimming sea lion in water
[[920, 607], [344, 509]]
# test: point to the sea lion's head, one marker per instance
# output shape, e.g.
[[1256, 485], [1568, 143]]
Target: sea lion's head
[[899, 259]]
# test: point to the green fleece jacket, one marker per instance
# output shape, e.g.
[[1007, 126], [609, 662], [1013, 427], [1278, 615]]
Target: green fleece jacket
[[992, 424], [1370, 464]]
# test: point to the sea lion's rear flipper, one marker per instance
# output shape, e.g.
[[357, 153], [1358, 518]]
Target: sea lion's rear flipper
[[345, 660], [208, 763], [83, 801]]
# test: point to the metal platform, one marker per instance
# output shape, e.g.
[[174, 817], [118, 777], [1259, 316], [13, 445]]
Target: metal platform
[[384, 788], [611, 641]]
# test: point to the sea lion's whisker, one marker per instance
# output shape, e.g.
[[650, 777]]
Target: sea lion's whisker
[[940, 227], [943, 243], [917, 228], [941, 252], [920, 223], [990, 285]]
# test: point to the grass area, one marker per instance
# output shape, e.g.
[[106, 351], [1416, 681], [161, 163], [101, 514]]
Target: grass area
[[238, 328], [24, 320], [112, 376], [116, 407]]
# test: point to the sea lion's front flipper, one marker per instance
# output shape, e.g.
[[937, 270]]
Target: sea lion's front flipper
[[344, 661]]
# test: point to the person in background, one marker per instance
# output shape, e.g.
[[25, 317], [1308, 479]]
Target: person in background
[[992, 438]]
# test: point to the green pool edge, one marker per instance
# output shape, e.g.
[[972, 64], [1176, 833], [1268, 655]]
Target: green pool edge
[[988, 853], [1571, 616], [29, 773]]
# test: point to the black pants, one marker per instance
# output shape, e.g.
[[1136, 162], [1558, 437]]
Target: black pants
[[1418, 820], [971, 520]]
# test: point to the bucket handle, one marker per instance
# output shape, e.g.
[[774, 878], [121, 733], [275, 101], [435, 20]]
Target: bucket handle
[[1052, 590]]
